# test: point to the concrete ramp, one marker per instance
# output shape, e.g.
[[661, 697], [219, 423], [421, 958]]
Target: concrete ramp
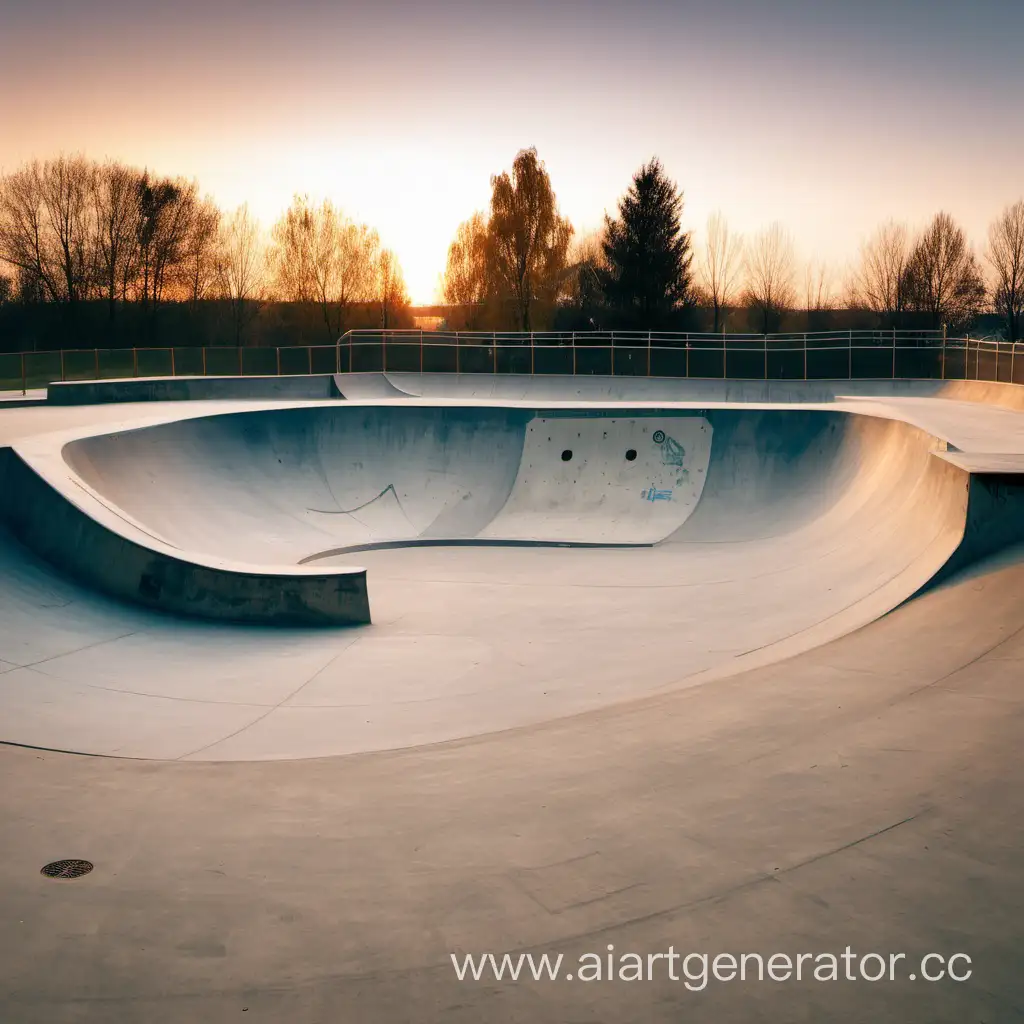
[[291, 483], [366, 385], [605, 479], [533, 561]]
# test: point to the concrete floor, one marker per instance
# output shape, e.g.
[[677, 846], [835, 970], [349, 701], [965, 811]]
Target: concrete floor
[[866, 793]]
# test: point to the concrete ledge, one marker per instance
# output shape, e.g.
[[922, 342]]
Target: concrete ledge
[[186, 389], [58, 531]]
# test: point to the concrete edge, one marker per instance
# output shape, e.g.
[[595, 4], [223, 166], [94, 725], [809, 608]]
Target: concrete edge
[[186, 389], [55, 529]]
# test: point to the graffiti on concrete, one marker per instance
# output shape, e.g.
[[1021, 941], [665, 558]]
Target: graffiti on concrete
[[672, 454]]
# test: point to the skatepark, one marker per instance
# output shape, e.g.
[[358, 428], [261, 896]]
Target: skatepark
[[334, 675]]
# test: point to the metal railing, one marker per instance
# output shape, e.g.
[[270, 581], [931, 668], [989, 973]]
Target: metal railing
[[832, 355]]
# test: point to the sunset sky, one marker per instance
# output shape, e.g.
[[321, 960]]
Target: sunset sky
[[828, 115]]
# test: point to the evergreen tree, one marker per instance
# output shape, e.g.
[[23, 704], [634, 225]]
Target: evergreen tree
[[647, 283]]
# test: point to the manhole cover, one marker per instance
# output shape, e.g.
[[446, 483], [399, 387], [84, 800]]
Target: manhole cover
[[67, 869]]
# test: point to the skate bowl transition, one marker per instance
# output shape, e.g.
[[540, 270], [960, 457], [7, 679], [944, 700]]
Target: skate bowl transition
[[416, 560]]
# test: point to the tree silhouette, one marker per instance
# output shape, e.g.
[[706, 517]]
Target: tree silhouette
[[647, 281], [881, 279], [720, 268], [1006, 254], [527, 239], [944, 279], [770, 268]]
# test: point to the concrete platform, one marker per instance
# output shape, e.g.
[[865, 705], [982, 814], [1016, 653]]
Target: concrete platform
[[866, 793], [789, 722]]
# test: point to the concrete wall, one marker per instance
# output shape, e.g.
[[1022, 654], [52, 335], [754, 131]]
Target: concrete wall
[[62, 534], [182, 389]]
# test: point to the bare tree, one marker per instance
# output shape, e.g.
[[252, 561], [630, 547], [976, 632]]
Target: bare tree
[[770, 290], [116, 200], [46, 230], [528, 240], [67, 185], [198, 271], [881, 278], [166, 210], [391, 292], [1006, 254], [241, 268], [320, 256], [24, 232], [943, 277], [819, 287], [720, 266]]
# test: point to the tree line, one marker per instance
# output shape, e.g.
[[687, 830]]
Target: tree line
[[519, 267], [148, 258], [76, 233]]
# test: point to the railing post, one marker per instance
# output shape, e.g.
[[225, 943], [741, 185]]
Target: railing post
[[421, 351], [494, 352], [942, 372], [1013, 352], [135, 362], [174, 372], [278, 354], [849, 355], [688, 355], [766, 357], [894, 353], [805, 355], [384, 351], [648, 353], [309, 359], [24, 389], [62, 364], [96, 361], [457, 353], [531, 355], [241, 367], [204, 360]]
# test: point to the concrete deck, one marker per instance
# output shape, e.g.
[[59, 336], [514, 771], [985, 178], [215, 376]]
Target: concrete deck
[[866, 793], [745, 738]]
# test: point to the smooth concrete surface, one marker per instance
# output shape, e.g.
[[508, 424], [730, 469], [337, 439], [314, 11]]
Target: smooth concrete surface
[[811, 523], [95, 550], [864, 794], [532, 765]]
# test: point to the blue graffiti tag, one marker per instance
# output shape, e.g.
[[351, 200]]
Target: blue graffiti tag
[[654, 494]]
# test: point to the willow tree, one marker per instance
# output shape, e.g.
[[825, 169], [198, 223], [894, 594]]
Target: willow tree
[[527, 240]]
